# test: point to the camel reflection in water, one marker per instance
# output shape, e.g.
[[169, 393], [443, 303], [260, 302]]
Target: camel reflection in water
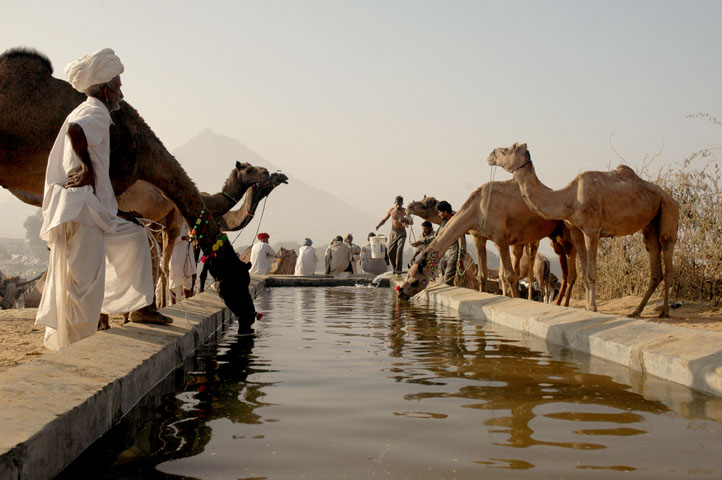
[[503, 376]]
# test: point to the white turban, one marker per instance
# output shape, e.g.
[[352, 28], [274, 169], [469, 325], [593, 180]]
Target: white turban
[[94, 69]]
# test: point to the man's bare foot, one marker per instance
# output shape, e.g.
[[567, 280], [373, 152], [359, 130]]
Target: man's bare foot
[[149, 314]]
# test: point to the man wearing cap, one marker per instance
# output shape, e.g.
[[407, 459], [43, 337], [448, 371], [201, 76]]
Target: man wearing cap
[[306, 262], [262, 255], [98, 260]]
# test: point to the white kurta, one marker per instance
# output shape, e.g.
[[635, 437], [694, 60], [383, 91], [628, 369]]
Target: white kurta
[[306, 262], [182, 263], [97, 260], [262, 256]]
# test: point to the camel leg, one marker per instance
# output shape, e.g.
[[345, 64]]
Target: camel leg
[[579, 242], [668, 223], [508, 274], [571, 262], [591, 242], [651, 243], [531, 251], [483, 270], [517, 251], [562, 254]]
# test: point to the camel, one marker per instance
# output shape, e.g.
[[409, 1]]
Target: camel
[[33, 106], [237, 219], [542, 274], [151, 203], [474, 276], [602, 204], [559, 237], [506, 220], [285, 262]]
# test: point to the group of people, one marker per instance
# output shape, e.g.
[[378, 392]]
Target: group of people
[[400, 220]]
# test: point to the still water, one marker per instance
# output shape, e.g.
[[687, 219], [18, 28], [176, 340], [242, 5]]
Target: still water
[[349, 383]]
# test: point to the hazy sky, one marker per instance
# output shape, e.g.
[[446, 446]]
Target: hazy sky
[[370, 99]]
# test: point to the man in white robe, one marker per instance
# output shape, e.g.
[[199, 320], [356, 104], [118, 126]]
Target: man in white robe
[[262, 255], [306, 262], [98, 261]]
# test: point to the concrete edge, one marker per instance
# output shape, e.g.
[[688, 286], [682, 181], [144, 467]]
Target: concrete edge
[[692, 358], [53, 407]]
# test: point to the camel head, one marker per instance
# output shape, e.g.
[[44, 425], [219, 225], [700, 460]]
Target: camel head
[[241, 178], [512, 158], [417, 278], [425, 208], [285, 262], [278, 178]]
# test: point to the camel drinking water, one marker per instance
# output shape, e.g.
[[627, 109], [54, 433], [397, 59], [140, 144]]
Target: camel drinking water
[[506, 220], [602, 204]]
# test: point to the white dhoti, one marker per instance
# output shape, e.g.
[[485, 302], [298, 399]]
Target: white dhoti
[[90, 271], [128, 269]]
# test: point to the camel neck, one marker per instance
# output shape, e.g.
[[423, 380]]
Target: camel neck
[[542, 200]]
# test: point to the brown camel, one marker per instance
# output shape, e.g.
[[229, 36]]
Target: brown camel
[[602, 204], [33, 106], [237, 219], [285, 262], [506, 220], [559, 237], [151, 203]]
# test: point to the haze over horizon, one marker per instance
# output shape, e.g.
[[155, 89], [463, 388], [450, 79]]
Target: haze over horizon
[[369, 99]]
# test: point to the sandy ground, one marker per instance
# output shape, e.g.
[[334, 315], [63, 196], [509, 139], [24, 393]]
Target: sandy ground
[[21, 340]]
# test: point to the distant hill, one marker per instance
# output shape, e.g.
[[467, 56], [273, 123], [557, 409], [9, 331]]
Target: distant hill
[[292, 212]]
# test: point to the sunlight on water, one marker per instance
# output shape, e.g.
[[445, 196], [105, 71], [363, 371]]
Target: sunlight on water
[[349, 383]]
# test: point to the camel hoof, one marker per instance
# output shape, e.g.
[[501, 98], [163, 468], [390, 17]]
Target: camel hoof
[[103, 322]]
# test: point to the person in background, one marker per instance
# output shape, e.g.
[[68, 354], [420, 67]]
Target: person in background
[[262, 255], [377, 266], [427, 235], [355, 254], [182, 267], [338, 256], [397, 240], [306, 262], [455, 251]]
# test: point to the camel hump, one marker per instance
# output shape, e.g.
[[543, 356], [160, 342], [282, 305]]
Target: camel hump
[[626, 172], [33, 61]]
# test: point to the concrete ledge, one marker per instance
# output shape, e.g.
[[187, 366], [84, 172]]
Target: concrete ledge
[[52, 408], [320, 281], [689, 357]]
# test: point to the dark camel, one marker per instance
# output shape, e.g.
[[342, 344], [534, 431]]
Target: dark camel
[[33, 106]]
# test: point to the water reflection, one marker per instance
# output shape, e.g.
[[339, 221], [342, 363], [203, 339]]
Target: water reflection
[[512, 382], [348, 381]]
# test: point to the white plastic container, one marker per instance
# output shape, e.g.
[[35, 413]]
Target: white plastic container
[[376, 242]]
